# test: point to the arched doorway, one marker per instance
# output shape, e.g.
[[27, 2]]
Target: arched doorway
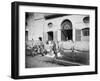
[[66, 30]]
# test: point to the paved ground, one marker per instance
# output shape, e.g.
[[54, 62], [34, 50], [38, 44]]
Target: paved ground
[[81, 57], [44, 61], [67, 58], [39, 61]]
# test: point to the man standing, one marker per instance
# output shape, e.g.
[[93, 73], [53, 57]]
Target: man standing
[[54, 49], [41, 46]]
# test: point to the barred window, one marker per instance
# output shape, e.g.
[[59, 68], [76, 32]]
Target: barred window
[[85, 31]]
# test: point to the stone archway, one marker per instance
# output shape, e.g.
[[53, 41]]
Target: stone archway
[[66, 30]]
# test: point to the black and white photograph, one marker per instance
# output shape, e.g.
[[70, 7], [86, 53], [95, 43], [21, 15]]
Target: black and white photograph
[[55, 40], [50, 40]]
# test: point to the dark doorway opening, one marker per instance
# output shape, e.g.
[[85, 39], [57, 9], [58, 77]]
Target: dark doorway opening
[[26, 35], [66, 30], [50, 35], [66, 35]]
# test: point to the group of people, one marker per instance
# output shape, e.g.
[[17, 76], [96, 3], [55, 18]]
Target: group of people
[[44, 48]]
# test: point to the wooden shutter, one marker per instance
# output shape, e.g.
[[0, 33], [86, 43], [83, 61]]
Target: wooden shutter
[[78, 35]]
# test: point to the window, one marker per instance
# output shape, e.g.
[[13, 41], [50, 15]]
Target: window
[[85, 31], [86, 19], [50, 25]]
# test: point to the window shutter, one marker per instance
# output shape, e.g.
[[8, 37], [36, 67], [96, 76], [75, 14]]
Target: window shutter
[[78, 35]]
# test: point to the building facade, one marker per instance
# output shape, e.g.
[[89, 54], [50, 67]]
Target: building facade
[[70, 27], [59, 28]]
